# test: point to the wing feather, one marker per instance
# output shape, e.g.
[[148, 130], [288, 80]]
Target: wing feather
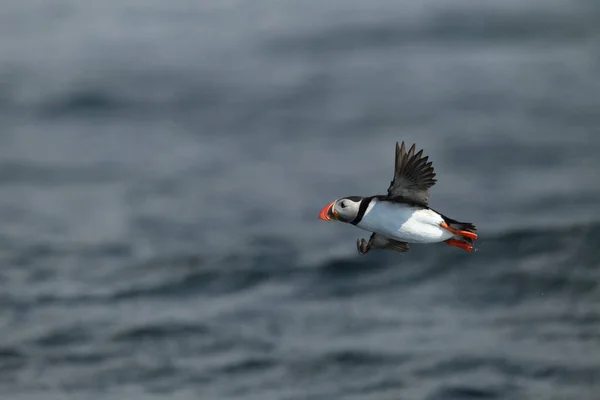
[[413, 175]]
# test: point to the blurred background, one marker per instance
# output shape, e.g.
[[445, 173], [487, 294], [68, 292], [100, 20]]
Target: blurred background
[[163, 165]]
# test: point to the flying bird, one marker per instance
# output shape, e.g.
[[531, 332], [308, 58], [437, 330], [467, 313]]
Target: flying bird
[[403, 215]]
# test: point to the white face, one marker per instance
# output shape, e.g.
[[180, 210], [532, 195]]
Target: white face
[[346, 209]]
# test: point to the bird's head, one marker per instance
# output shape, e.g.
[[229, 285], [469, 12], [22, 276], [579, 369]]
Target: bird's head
[[343, 210]]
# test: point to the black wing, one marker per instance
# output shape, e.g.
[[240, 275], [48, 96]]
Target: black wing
[[378, 241], [413, 176]]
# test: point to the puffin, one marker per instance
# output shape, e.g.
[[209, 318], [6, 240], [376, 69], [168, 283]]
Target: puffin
[[403, 215]]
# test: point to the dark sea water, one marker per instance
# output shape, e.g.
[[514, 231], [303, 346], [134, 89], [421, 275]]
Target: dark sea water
[[162, 165]]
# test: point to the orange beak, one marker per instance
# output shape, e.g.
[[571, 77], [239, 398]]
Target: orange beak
[[328, 213]]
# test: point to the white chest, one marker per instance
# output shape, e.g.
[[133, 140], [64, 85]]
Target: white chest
[[404, 223]]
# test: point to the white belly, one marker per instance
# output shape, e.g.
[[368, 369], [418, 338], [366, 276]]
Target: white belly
[[404, 223]]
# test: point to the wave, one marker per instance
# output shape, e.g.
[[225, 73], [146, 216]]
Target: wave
[[63, 336], [250, 364], [128, 93], [12, 173], [358, 358], [160, 330], [514, 265], [464, 364], [589, 229], [467, 393], [444, 27], [83, 102]]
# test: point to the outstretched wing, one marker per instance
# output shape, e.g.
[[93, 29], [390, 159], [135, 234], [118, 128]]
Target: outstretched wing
[[413, 176], [378, 241]]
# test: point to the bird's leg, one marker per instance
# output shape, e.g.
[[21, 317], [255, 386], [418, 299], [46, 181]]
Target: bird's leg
[[459, 243], [459, 232], [362, 246]]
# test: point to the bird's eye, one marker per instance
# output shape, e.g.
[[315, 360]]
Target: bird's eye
[[343, 204]]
